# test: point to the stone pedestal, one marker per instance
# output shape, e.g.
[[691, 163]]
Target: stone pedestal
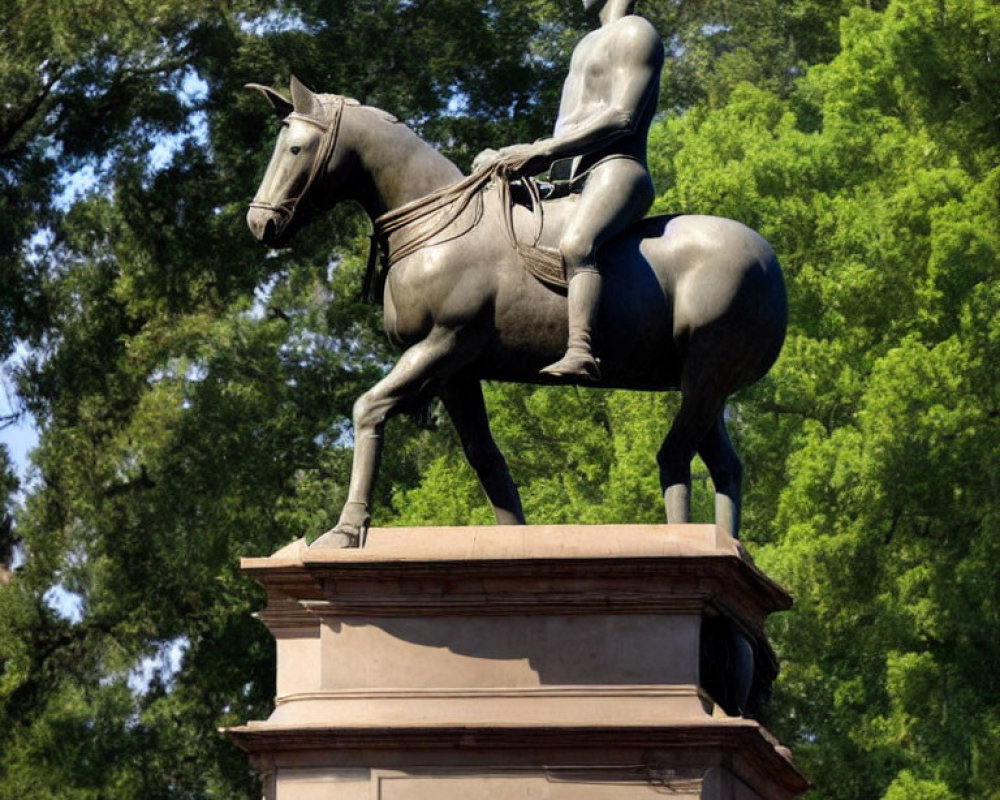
[[515, 663]]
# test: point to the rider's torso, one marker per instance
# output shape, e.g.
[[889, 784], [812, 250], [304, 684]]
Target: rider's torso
[[590, 88]]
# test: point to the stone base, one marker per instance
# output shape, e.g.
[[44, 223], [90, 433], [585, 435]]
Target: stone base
[[513, 662], [723, 760]]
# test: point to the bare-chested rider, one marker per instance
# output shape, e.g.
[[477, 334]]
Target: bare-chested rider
[[608, 102]]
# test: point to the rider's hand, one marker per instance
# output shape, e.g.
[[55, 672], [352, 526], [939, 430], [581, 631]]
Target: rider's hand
[[517, 159], [520, 159]]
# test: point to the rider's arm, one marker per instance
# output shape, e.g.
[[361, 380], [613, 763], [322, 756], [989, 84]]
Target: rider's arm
[[634, 82]]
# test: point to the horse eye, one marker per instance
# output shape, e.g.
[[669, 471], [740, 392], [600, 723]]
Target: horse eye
[[296, 150]]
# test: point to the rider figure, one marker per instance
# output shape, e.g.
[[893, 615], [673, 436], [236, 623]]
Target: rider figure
[[608, 102]]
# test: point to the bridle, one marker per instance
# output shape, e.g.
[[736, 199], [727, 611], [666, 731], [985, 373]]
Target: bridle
[[330, 130]]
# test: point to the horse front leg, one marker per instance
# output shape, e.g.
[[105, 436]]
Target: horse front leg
[[409, 381], [463, 399]]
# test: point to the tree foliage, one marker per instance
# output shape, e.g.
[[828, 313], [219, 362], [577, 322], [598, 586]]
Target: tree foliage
[[877, 182], [193, 392]]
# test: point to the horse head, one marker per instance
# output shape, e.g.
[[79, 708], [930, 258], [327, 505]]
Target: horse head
[[303, 155]]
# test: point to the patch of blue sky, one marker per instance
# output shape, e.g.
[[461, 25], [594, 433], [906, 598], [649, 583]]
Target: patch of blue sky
[[67, 604], [163, 666], [262, 296], [275, 21], [168, 146], [194, 88], [305, 348], [78, 183], [89, 177], [712, 28], [175, 369], [458, 104], [19, 434]]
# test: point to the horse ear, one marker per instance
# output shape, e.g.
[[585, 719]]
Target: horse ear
[[280, 105], [304, 100]]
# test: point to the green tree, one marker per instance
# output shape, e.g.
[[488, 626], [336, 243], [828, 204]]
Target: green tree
[[192, 391], [870, 449], [877, 182]]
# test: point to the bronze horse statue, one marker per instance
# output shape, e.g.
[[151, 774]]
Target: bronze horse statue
[[694, 303]]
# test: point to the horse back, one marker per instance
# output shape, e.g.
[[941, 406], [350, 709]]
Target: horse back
[[671, 283], [674, 287]]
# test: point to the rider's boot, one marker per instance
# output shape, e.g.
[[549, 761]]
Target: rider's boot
[[583, 295]]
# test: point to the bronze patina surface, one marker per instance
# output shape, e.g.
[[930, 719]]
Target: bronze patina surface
[[688, 302]]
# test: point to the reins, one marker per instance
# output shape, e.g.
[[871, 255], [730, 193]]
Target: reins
[[453, 199], [456, 198]]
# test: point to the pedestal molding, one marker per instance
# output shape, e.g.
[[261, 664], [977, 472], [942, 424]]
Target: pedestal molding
[[291, 614], [520, 651], [519, 569], [675, 690]]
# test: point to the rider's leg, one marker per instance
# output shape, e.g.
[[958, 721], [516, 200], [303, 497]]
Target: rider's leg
[[583, 299], [617, 192]]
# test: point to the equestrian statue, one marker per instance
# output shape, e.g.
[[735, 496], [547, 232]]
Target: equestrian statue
[[499, 276]]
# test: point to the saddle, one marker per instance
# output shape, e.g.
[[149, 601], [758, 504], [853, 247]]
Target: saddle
[[544, 263]]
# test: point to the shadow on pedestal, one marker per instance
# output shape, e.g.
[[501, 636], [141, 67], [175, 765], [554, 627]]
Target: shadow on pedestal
[[520, 662]]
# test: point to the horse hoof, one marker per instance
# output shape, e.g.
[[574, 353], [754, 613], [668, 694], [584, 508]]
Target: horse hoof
[[336, 539]]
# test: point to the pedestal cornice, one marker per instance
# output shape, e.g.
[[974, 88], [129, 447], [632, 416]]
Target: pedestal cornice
[[544, 569]]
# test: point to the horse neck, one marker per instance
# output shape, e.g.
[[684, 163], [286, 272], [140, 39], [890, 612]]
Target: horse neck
[[394, 165]]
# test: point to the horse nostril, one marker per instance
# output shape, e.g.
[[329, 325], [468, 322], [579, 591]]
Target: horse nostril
[[261, 224], [253, 223], [266, 224]]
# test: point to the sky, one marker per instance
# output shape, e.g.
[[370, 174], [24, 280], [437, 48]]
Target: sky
[[20, 436]]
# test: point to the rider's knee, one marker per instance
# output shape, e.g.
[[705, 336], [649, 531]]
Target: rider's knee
[[578, 252]]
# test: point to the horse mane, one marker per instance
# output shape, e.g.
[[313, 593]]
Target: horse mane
[[453, 200], [329, 99]]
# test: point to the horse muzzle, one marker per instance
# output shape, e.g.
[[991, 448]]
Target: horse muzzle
[[267, 223]]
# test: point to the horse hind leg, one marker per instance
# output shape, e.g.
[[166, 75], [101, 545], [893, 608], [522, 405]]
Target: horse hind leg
[[686, 433], [726, 469], [703, 397]]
